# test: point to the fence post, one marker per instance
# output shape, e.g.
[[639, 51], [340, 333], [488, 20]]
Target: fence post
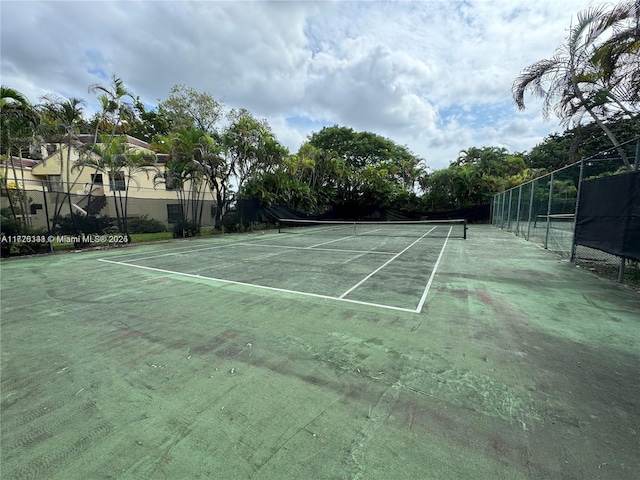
[[494, 201], [494, 210], [546, 236], [509, 210], [533, 187], [46, 213], [518, 213], [575, 211], [621, 270]]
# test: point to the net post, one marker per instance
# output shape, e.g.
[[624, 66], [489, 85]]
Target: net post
[[464, 234]]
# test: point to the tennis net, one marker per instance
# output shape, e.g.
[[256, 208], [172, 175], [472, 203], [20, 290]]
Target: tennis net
[[418, 228]]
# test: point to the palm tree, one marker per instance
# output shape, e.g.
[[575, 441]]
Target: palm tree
[[618, 59], [61, 120], [18, 122], [14, 107], [115, 110], [121, 162], [249, 142], [214, 162], [180, 172], [573, 81]]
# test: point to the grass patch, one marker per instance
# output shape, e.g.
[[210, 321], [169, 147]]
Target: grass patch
[[67, 243], [150, 237]]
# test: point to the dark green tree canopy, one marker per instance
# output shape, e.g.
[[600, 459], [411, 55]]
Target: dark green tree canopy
[[360, 149], [148, 124]]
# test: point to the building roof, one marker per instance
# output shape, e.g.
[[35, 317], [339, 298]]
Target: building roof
[[25, 163]]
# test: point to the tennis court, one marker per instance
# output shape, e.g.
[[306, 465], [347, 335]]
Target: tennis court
[[333, 355], [390, 265]]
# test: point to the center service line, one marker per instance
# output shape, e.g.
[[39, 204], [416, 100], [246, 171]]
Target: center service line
[[383, 265], [433, 274]]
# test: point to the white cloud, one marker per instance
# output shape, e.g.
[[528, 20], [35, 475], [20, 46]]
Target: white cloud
[[432, 75]]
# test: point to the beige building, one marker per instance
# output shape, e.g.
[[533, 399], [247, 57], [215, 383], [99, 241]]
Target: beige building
[[96, 191]]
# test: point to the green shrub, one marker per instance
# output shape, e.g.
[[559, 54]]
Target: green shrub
[[246, 227], [11, 229], [145, 224], [87, 224], [11, 226], [185, 229], [236, 227]]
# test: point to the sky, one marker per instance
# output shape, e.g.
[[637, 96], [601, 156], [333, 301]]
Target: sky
[[432, 75]]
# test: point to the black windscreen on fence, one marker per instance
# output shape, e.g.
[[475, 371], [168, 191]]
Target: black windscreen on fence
[[250, 210], [608, 216]]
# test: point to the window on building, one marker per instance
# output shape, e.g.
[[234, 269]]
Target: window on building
[[54, 183], [96, 178], [117, 181], [174, 212]]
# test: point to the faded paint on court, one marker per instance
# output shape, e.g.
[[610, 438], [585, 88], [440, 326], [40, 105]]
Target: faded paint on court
[[518, 366]]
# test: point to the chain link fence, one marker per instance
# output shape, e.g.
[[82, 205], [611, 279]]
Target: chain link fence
[[543, 211]]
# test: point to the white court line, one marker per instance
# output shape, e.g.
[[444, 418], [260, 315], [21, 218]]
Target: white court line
[[198, 250], [180, 252], [433, 274], [319, 249], [295, 292], [383, 265], [339, 239], [176, 250], [330, 241], [188, 250]]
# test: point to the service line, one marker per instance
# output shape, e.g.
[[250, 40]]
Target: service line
[[383, 265]]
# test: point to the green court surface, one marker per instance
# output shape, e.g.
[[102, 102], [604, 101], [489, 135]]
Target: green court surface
[[277, 356]]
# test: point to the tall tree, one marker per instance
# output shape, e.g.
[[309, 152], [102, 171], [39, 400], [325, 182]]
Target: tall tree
[[61, 120], [117, 103], [122, 163], [573, 81], [212, 160], [182, 174], [367, 159], [18, 122], [250, 144], [187, 108], [617, 60], [148, 124]]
